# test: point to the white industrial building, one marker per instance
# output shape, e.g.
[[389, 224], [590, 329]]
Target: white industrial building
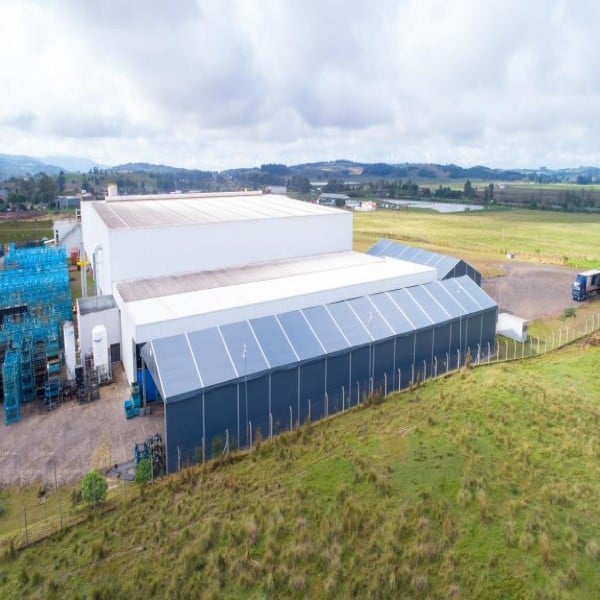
[[251, 312], [180, 262]]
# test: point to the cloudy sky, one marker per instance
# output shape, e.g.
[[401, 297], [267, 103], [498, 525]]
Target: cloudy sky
[[214, 84]]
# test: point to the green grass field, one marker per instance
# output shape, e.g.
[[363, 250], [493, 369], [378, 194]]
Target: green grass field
[[480, 485], [21, 231], [569, 239]]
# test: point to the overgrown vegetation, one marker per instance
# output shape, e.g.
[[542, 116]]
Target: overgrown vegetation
[[480, 485]]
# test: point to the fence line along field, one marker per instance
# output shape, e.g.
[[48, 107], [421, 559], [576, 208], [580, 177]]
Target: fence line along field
[[568, 239]]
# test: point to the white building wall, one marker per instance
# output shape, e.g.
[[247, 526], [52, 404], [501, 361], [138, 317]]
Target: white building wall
[[85, 323], [155, 252], [96, 234], [69, 233]]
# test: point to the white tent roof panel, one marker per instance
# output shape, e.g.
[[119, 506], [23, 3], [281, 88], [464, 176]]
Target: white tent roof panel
[[337, 282]]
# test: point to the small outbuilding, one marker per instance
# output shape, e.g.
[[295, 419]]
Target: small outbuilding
[[447, 266]]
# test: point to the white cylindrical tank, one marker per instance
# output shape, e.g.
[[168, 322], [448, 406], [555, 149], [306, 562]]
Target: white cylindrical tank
[[100, 349], [70, 356], [113, 190]]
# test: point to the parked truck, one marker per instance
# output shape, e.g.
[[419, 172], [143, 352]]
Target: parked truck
[[586, 284]]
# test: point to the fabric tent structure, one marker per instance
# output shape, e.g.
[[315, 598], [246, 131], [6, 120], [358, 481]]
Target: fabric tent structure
[[272, 373], [447, 266]]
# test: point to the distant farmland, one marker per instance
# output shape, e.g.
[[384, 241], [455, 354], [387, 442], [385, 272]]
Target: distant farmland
[[568, 239]]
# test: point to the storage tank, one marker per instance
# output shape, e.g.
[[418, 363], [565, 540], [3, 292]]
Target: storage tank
[[100, 351], [70, 356]]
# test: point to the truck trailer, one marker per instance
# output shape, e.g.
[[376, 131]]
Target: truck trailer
[[586, 284]]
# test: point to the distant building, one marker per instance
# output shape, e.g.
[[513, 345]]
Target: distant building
[[3, 195], [333, 199], [366, 206], [68, 202], [277, 189]]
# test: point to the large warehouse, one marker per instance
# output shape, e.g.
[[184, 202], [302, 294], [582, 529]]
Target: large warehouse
[[251, 311]]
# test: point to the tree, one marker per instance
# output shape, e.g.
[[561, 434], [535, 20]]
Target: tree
[[143, 472], [468, 189], [60, 182], [93, 489], [298, 183], [46, 190]]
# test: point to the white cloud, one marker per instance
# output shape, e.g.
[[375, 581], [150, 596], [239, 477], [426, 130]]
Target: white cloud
[[224, 83]]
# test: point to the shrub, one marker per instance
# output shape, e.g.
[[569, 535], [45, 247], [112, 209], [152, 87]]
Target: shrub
[[143, 472], [568, 313], [93, 489]]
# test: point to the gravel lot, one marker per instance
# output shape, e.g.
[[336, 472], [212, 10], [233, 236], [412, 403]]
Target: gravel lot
[[532, 291], [74, 437]]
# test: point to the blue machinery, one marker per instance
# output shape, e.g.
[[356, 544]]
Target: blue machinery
[[35, 300]]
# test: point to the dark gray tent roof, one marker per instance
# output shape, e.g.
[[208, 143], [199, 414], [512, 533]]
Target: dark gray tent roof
[[446, 265], [182, 365]]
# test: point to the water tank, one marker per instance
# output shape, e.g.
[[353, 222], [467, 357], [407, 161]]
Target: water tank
[[113, 190], [100, 350], [70, 357]]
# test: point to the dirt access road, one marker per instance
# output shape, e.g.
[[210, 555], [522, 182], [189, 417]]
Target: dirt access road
[[532, 291]]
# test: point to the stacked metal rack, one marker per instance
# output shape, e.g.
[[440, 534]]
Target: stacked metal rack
[[12, 387], [35, 300]]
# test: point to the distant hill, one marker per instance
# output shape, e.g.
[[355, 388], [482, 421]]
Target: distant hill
[[12, 165], [73, 164], [20, 166], [347, 170]]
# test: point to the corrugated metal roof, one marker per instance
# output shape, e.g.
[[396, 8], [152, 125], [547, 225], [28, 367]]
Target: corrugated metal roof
[[182, 365], [293, 284], [444, 264], [143, 289], [190, 209]]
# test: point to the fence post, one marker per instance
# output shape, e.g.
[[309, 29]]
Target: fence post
[[478, 352], [435, 366], [250, 429], [506, 350], [270, 426], [385, 384], [424, 370], [357, 392], [343, 399], [488, 353], [413, 374], [538, 346], [291, 419], [458, 359], [399, 379]]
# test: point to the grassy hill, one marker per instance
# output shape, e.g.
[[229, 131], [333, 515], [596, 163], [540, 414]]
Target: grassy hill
[[479, 485]]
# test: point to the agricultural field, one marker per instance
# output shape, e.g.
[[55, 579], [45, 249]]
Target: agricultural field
[[485, 237], [25, 230], [479, 485]]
